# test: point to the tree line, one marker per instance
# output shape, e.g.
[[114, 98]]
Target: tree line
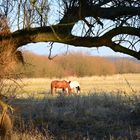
[[75, 64]]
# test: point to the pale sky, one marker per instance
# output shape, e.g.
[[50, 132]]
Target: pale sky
[[43, 49]]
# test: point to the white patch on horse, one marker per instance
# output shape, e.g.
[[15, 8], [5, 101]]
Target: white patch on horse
[[75, 86]]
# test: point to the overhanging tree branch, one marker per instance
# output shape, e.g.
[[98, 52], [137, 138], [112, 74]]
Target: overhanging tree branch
[[118, 48], [46, 34], [86, 10]]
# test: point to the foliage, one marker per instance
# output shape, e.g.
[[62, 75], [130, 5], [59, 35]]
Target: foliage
[[76, 64]]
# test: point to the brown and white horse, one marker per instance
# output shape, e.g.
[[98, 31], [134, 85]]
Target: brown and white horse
[[75, 86], [64, 85]]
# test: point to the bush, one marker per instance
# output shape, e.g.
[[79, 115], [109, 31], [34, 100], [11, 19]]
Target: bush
[[76, 64]]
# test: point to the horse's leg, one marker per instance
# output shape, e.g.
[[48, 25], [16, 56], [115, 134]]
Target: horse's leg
[[69, 90], [78, 89], [55, 90], [52, 90], [63, 90]]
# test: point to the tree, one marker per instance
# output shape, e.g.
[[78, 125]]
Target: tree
[[111, 23]]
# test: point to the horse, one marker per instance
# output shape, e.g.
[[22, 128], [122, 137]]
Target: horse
[[64, 85], [75, 85]]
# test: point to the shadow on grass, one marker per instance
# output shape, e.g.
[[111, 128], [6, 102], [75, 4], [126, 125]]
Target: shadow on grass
[[95, 116]]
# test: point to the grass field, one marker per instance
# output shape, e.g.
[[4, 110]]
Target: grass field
[[128, 83], [108, 108]]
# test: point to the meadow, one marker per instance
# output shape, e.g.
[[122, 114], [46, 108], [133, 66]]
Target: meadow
[[108, 108], [127, 83]]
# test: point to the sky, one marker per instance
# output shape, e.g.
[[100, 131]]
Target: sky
[[42, 48]]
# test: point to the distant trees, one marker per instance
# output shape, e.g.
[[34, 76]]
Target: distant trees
[[75, 64]]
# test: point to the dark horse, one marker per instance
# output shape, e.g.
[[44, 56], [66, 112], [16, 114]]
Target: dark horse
[[64, 85]]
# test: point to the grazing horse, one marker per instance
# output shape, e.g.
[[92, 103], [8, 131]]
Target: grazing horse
[[75, 85], [64, 85]]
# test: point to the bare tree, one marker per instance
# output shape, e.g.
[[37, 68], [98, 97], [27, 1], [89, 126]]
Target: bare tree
[[111, 23]]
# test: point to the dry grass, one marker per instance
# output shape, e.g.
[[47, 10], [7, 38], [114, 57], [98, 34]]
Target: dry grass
[[107, 108], [97, 116], [38, 87], [30, 135]]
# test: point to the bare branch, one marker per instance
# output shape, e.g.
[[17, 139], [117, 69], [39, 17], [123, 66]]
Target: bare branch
[[50, 52]]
